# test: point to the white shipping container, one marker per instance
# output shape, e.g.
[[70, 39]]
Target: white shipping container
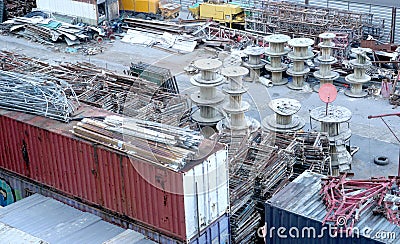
[[209, 180]]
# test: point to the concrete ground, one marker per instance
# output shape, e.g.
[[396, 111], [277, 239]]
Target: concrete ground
[[371, 135]]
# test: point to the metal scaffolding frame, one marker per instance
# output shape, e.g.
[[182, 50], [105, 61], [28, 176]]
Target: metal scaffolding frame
[[299, 20]]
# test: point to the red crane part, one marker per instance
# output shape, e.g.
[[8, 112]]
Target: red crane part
[[346, 200]]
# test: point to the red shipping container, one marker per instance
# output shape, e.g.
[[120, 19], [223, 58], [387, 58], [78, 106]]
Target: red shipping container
[[175, 203]]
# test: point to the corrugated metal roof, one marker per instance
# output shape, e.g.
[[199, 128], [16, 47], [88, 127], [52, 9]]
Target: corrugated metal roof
[[128, 236], [12, 235], [302, 197], [55, 222]]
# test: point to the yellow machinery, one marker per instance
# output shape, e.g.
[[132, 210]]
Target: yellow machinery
[[164, 8], [221, 12]]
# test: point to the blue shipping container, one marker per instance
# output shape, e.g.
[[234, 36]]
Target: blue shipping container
[[217, 232], [294, 216]]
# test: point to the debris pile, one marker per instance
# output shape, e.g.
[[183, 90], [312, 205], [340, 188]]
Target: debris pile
[[165, 41], [99, 87], [46, 30], [310, 149], [260, 168], [309, 21], [157, 143], [17, 8], [160, 76], [347, 200], [257, 169], [36, 94]]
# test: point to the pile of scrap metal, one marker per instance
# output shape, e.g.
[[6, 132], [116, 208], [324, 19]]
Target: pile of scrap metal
[[152, 142], [161, 76], [99, 87], [213, 34], [256, 161], [17, 8], [385, 57], [46, 30], [37, 94], [310, 149], [297, 19], [394, 99], [347, 200], [175, 112], [259, 168], [169, 36]]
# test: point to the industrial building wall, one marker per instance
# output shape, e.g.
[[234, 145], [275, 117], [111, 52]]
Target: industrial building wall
[[84, 10], [112, 9]]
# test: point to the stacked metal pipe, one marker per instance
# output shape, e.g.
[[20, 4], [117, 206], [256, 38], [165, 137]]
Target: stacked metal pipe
[[311, 150], [325, 74], [149, 141], [257, 171], [275, 51], [264, 163], [299, 55], [358, 78]]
